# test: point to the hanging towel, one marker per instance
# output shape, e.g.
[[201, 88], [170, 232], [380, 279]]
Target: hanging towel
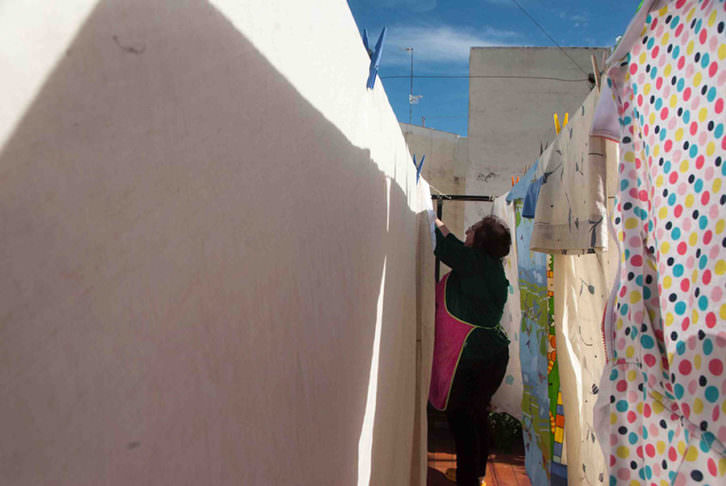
[[572, 205]]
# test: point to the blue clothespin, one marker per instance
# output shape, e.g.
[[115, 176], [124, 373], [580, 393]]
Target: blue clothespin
[[418, 166], [365, 43], [375, 55]]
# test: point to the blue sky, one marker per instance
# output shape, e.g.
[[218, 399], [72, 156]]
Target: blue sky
[[442, 31]]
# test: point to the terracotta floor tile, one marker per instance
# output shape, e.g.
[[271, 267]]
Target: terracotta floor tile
[[502, 469]]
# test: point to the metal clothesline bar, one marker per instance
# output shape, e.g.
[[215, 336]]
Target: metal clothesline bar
[[440, 198], [461, 197]]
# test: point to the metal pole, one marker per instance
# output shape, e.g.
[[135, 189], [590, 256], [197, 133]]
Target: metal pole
[[462, 197], [410, 91], [439, 214]]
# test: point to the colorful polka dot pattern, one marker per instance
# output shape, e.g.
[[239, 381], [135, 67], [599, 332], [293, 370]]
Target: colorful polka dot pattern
[[664, 400]]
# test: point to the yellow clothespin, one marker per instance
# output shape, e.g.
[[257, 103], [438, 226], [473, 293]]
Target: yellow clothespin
[[559, 128]]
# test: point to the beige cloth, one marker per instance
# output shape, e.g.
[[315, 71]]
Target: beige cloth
[[571, 209], [580, 296], [215, 259], [582, 286]]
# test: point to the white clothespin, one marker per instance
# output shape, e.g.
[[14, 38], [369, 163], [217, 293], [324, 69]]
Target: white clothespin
[[596, 71]]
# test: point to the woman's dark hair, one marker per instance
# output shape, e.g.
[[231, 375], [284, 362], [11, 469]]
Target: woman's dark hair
[[493, 237]]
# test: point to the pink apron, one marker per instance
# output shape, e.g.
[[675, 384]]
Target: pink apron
[[449, 339]]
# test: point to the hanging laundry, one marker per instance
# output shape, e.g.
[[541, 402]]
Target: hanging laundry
[[662, 391], [577, 285], [534, 338], [519, 190], [215, 265], [530, 200], [554, 388], [508, 397], [580, 296], [605, 120], [572, 204]]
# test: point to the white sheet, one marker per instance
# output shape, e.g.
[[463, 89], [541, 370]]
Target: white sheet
[[213, 250], [509, 396]]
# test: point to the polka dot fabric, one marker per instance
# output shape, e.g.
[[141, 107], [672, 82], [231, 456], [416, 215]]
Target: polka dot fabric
[[662, 406]]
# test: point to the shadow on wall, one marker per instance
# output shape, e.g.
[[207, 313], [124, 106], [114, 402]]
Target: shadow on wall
[[191, 259]]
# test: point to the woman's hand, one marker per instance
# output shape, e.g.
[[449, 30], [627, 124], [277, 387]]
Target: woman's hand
[[442, 227]]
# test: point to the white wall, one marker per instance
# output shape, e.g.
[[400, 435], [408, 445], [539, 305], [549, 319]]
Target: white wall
[[210, 249]]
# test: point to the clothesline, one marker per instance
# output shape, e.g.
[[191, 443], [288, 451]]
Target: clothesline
[[439, 198], [461, 197]]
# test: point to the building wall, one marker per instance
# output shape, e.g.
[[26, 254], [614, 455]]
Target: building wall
[[510, 114], [445, 167]]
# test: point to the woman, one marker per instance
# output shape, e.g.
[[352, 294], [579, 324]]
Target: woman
[[471, 350]]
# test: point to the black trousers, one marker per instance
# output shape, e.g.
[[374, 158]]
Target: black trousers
[[468, 410]]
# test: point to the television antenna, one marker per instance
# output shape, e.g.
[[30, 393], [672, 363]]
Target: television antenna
[[412, 99]]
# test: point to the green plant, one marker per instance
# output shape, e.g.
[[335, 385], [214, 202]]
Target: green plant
[[506, 432]]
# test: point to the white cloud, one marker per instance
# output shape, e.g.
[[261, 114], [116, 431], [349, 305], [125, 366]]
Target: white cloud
[[577, 20], [441, 43]]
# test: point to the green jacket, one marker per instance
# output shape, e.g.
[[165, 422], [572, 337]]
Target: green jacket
[[476, 292]]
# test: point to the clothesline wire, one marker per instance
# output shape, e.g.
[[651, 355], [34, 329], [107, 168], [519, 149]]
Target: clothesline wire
[[470, 76], [445, 116], [548, 35]]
